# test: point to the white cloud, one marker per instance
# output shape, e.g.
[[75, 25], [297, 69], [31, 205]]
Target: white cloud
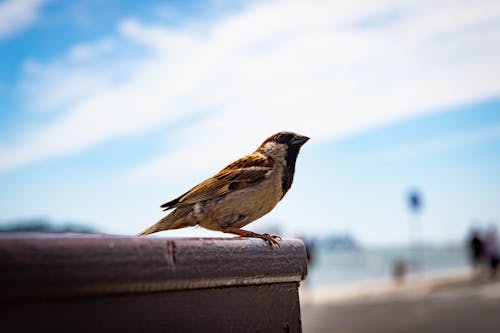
[[86, 51], [18, 14], [86, 70], [326, 69]]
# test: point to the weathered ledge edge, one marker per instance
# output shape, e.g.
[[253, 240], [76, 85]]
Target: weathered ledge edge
[[35, 266]]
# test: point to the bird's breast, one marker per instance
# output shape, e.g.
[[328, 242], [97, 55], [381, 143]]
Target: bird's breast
[[238, 208]]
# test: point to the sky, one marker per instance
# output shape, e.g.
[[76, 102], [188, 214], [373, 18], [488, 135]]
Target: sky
[[109, 110]]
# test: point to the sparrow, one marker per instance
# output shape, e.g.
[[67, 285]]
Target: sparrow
[[242, 192]]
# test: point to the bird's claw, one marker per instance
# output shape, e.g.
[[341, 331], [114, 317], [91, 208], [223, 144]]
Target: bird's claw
[[271, 239]]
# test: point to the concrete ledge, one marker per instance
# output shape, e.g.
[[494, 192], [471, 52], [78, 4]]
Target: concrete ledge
[[97, 283], [36, 266]]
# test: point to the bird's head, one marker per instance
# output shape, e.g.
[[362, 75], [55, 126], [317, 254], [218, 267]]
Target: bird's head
[[283, 145]]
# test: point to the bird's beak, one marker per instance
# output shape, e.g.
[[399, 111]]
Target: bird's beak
[[299, 140]]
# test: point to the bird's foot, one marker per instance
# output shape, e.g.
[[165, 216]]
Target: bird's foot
[[276, 237], [271, 239]]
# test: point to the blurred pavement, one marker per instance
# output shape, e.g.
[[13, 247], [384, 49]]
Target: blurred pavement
[[468, 306]]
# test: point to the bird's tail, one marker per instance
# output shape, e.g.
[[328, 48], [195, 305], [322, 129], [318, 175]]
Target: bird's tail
[[158, 226], [177, 219]]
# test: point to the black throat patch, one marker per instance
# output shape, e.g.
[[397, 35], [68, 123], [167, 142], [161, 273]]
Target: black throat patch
[[289, 170]]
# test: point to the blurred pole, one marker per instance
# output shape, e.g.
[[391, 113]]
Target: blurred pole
[[415, 230]]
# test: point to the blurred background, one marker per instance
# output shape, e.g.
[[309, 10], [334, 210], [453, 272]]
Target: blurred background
[[108, 110]]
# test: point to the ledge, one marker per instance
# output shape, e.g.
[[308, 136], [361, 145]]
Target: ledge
[[38, 266]]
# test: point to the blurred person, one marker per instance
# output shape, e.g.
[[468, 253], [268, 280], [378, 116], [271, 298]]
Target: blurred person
[[399, 271], [492, 250], [476, 250]]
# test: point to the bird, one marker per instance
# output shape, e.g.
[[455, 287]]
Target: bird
[[242, 192]]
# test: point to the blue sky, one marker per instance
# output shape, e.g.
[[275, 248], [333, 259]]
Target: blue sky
[[108, 111]]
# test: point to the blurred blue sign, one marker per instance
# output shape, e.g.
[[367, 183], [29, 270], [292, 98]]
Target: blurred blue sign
[[415, 201]]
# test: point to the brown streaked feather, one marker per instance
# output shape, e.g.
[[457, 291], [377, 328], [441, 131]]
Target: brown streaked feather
[[247, 171]]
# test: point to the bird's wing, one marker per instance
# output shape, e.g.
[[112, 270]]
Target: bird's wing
[[247, 171]]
